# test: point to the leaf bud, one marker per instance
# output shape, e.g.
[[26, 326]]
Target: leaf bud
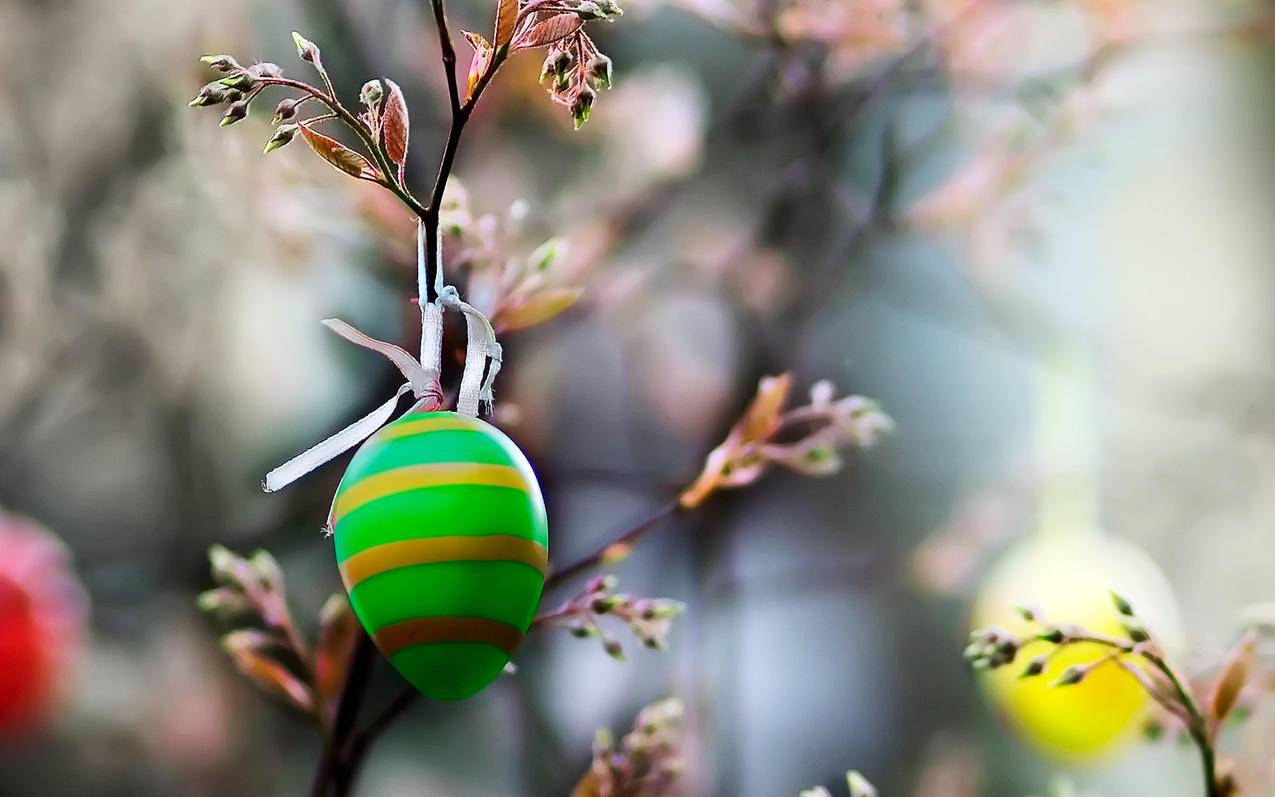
[[1072, 675], [239, 80], [282, 136], [1123, 606], [236, 111], [265, 70], [306, 49], [589, 11], [212, 94], [286, 110], [222, 63], [599, 68], [582, 106], [371, 93], [613, 649], [1035, 667]]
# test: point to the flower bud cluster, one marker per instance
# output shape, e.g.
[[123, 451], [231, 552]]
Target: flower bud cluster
[[650, 619]]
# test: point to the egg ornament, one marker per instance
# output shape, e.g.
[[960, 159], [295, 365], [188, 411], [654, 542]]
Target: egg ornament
[[442, 543]]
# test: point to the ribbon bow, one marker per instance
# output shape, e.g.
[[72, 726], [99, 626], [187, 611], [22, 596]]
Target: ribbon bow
[[422, 375]]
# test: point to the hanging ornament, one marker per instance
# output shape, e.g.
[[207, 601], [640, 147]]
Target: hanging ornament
[[441, 538], [1066, 569], [438, 523]]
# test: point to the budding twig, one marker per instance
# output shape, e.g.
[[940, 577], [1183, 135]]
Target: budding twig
[[994, 648]]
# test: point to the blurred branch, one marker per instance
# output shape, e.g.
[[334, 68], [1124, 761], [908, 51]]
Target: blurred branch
[[333, 774], [616, 549]]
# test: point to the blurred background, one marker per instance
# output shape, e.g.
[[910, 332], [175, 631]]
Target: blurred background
[[1037, 232]]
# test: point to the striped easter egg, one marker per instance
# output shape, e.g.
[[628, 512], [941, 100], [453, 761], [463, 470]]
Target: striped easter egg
[[442, 543]]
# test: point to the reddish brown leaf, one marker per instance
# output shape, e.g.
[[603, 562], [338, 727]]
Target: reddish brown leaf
[[395, 124], [1232, 677], [762, 418], [272, 676], [506, 16], [537, 309], [711, 477], [548, 31], [338, 631], [477, 64], [339, 155]]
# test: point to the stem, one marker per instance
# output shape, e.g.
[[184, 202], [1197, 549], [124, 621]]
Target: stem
[[449, 51], [460, 115], [357, 749], [630, 537], [330, 767], [1197, 725]]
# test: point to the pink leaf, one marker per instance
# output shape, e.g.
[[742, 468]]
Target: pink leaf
[[395, 124], [548, 31], [506, 16], [339, 155], [478, 64]]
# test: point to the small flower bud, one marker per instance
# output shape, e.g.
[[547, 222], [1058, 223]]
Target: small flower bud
[[1123, 606], [599, 67], [1072, 675], [613, 649], [264, 70], [606, 605], [372, 93], [282, 136], [1137, 633], [239, 80], [1052, 635], [286, 110], [222, 63], [582, 106], [212, 94], [305, 48], [1026, 613], [234, 113], [1035, 667], [589, 10]]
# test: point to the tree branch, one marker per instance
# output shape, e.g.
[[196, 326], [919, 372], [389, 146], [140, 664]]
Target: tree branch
[[330, 765], [629, 538], [449, 52]]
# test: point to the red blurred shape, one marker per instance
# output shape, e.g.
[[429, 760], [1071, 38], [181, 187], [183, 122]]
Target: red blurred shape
[[42, 614]]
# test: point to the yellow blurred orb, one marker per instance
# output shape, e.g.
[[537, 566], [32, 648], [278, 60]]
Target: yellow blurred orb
[[1068, 579]]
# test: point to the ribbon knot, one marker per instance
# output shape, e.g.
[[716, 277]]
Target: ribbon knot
[[422, 375]]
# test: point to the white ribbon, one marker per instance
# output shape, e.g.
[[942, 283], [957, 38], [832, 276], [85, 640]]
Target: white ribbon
[[482, 344], [421, 382], [422, 375]]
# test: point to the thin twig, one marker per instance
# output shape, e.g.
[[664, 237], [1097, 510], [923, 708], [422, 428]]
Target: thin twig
[[629, 538], [448, 50]]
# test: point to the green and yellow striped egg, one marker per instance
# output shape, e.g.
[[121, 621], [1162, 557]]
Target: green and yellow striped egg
[[442, 542]]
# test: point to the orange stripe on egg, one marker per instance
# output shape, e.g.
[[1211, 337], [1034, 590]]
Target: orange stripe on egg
[[417, 477], [430, 630], [437, 423], [429, 550]]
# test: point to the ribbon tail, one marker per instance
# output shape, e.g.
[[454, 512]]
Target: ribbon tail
[[409, 366], [486, 395], [332, 447]]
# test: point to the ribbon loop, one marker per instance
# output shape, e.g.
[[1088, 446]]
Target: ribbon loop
[[482, 344], [419, 377]]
